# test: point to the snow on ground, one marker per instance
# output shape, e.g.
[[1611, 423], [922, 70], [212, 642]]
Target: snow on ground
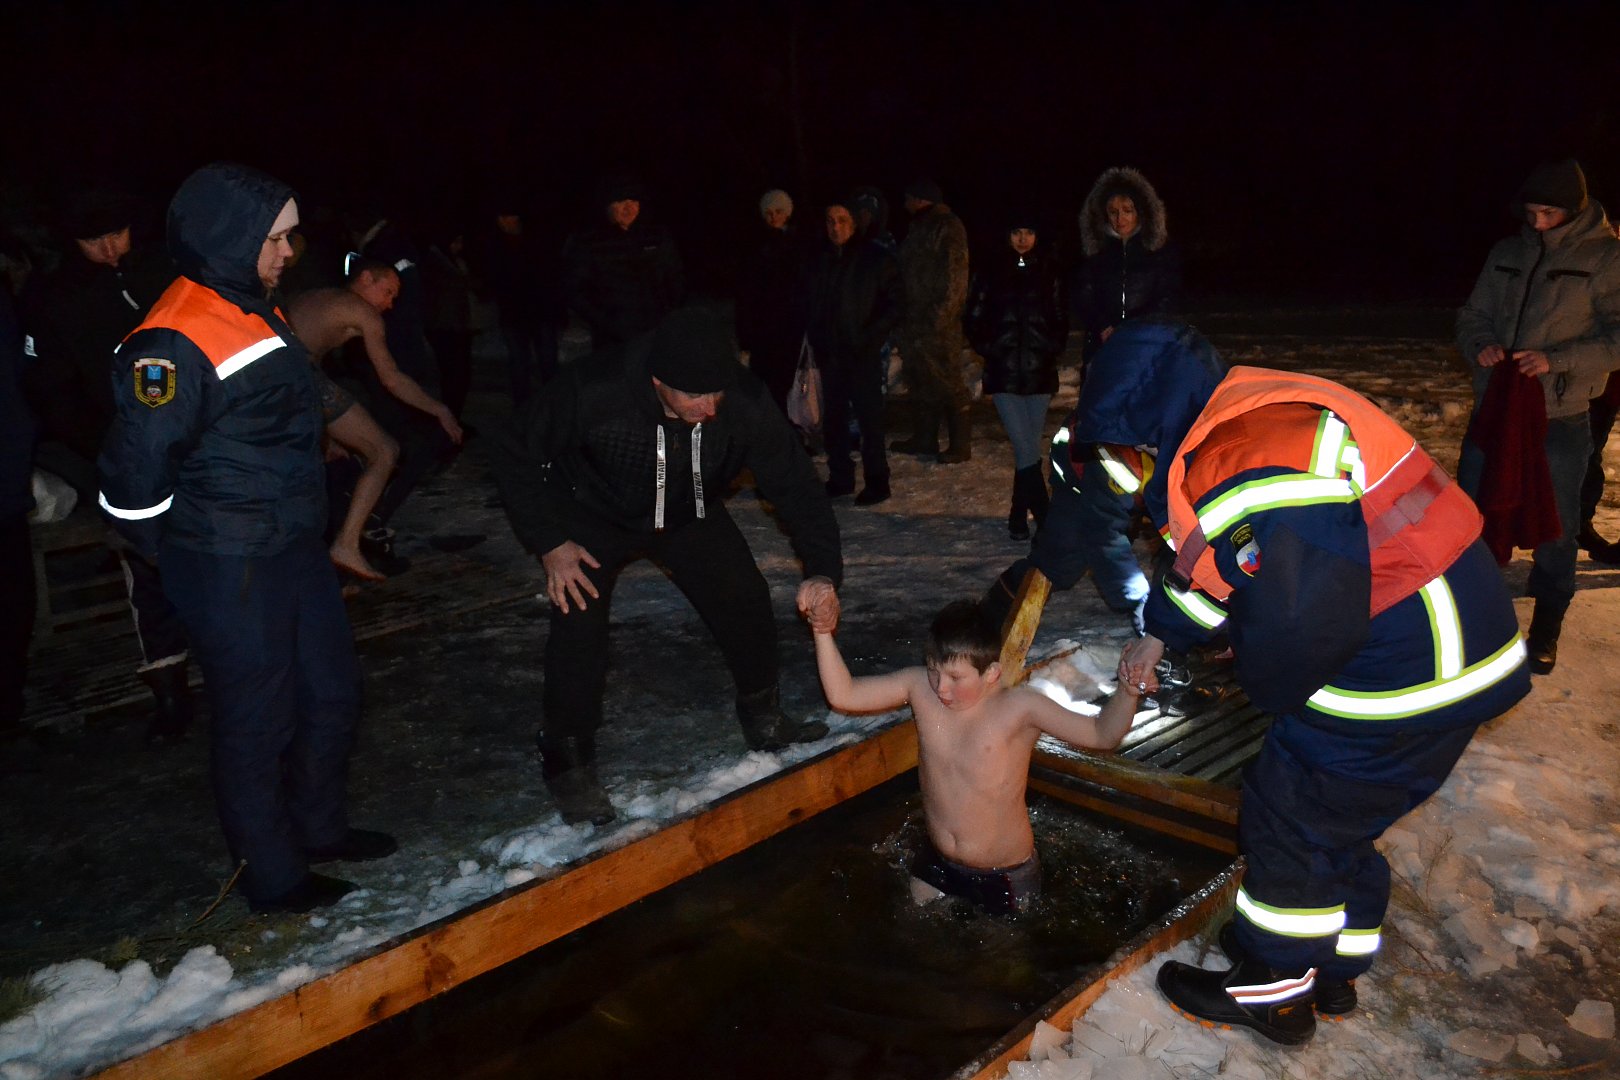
[[1501, 944]]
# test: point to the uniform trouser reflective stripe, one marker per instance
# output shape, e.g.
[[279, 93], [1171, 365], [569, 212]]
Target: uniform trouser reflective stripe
[[1399, 704], [1292, 922], [1359, 942]]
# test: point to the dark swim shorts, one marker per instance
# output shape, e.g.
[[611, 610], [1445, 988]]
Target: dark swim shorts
[[335, 401], [1000, 891]]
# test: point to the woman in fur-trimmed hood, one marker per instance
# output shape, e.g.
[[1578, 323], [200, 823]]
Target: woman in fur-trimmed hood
[[1131, 268]]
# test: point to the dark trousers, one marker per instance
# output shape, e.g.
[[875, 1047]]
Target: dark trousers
[[531, 356], [709, 561], [17, 612], [277, 657], [158, 628], [856, 388], [453, 350], [1087, 528], [422, 446], [1314, 802]]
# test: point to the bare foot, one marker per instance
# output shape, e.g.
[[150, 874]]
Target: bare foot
[[352, 562]]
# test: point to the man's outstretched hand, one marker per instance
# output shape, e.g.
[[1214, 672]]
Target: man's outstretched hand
[[565, 575], [818, 603]]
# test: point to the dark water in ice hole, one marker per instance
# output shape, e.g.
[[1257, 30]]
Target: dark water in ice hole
[[803, 957]]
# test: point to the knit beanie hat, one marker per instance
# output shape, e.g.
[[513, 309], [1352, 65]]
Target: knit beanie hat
[[776, 198], [1554, 183], [94, 212], [926, 190], [694, 351]]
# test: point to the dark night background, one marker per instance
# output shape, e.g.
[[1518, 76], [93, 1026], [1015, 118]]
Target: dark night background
[[1347, 151]]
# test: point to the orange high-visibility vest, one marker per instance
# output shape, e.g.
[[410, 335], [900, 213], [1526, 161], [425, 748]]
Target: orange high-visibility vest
[[1418, 520]]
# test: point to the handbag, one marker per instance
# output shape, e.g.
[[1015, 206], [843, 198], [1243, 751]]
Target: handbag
[[804, 406]]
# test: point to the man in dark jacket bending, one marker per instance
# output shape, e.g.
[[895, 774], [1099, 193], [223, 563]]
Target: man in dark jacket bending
[[630, 457]]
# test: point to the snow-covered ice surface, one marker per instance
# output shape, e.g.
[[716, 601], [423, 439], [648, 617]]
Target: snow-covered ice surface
[[1501, 944]]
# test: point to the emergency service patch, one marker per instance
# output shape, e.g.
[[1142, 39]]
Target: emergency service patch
[[1248, 549], [154, 381]]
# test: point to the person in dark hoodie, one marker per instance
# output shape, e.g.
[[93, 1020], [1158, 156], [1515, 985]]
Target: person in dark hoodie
[[1131, 268], [17, 600], [1548, 302], [853, 306], [213, 468], [621, 275], [1018, 323], [630, 457], [1365, 614], [770, 321]]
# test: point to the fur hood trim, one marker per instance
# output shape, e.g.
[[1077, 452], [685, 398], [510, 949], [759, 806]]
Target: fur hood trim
[[1094, 231]]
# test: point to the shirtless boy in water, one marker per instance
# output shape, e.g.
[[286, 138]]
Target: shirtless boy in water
[[324, 319], [974, 740]]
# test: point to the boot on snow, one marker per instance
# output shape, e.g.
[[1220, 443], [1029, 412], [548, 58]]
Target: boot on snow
[[568, 767], [924, 441], [1335, 998], [961, 432], [1273, 1003], [766, 727], [1545, 626]]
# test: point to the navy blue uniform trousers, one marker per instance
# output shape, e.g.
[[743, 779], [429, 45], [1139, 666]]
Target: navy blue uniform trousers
[[1314, 802], [277, 656]]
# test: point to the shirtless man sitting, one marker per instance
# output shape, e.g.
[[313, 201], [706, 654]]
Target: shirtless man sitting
[[974, 740], [324, 319]]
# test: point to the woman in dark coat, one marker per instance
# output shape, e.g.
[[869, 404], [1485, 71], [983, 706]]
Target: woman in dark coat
[[1131, 269], [1018, 323]]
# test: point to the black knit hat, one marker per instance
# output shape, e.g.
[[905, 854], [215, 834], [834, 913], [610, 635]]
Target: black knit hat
[[926, 190], [694, 351], [1554, 183], [94, 212]]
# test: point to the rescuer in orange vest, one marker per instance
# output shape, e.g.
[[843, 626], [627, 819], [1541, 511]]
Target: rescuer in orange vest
[[1365, 615]]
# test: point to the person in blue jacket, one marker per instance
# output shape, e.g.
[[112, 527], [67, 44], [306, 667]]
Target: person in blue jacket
[[213, 468], [1365, 615]]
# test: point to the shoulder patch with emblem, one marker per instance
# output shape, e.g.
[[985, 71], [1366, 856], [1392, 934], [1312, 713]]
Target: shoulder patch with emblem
[[1247, 549], [154, 381]]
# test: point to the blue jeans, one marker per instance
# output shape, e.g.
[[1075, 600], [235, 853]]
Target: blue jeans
[[1024, 417], [277, 656]]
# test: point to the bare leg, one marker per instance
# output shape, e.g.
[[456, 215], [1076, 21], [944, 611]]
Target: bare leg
[[359, 434]]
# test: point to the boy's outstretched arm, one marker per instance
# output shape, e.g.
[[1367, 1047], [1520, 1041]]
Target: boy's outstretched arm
[[847, 694], [1101, 732]]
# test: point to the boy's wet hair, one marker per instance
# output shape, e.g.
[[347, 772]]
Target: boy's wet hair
[[961, 629]]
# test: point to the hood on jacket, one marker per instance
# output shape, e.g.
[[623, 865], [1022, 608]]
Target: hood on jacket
[[217, 225], [1146, 387], [1094, 230], [872, 200]]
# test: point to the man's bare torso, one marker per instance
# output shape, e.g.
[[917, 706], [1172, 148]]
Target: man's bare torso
[[324, 319]]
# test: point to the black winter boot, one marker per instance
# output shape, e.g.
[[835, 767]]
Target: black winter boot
[[1018, 516], [1335, 998], [377, 545], [1036, 497], [961, 431], [1602, 551], [1274, 1003], [875, 491], [766, 727], [172, 708], [1545, 625], [924, 441], [568, 767]]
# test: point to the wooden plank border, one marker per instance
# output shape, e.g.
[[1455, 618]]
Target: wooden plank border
[[1071, 1004], [413, 967]]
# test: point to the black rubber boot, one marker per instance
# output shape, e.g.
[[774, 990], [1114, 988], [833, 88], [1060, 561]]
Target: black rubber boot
[[377, 545], [1545, 626], [1335, 998], [924, 441], [961, 431], [766, 727], [1018, 516], [1602, 551], [356, 845], [568, 767], [314, 891], [875, 491], [1036, 497], [1274, 1003], [172, 706]]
